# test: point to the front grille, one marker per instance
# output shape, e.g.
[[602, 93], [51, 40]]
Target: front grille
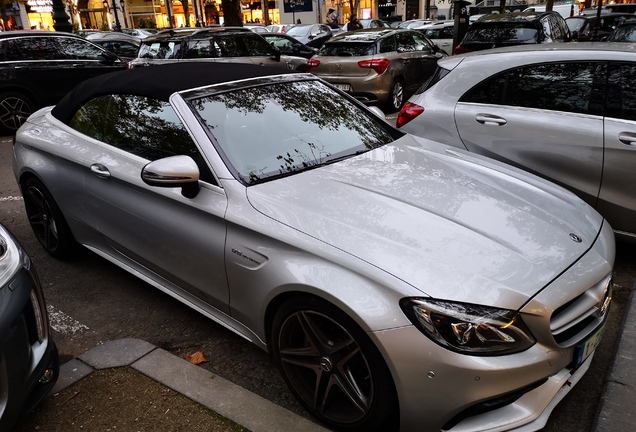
[[576, 319]]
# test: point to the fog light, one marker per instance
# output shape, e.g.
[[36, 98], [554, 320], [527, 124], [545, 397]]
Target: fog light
[[47, 376]]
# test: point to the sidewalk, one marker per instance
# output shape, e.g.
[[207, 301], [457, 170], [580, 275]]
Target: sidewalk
[[138, 381], [616, 408], [132, 360]]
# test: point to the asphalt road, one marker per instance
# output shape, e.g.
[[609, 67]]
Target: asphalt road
[[91, 301]]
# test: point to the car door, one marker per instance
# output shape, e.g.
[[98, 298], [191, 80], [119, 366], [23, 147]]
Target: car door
[[86, 60], [414, 55], [617, 200], [544, 118], [173, 240], [34, 62]]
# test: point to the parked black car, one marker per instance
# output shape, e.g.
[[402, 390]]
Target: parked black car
[[29, 363], [289, 45], [214, 44], [38, 68], [582, 26], [517, 28]]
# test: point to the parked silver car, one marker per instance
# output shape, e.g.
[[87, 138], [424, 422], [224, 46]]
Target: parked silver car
[[383, 271], [565, 112]]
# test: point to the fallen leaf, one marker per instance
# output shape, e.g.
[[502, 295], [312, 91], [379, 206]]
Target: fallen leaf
[[196, 358]]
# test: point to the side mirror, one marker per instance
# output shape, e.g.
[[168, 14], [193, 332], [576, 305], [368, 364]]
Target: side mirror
[[276, 54], [174, 171]]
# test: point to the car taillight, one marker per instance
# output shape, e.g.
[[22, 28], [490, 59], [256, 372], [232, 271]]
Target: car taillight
[[408, 112], [461, 50], [312, 63], [378, 65]]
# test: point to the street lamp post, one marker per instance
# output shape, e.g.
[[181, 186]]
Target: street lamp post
[[293, 4], [113, 9]]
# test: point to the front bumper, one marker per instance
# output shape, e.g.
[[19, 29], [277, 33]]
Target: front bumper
[[442, 390]]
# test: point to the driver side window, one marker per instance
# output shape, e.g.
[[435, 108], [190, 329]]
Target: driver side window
[[146, 127]]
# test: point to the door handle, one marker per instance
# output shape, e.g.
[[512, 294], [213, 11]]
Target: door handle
[[490, 120], [627, 138], [100, 171]]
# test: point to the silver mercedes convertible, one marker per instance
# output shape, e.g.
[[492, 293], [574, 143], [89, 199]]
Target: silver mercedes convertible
[[399, 284]]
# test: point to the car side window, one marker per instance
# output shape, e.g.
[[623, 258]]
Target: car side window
[[387, 44], [255, 45], [570, 87], [422, 43], [558, 86], [200, 49], [446, 33], [78, 49], [34, 48], [146, 127], [405, 42], [621, 93], [229, 47]]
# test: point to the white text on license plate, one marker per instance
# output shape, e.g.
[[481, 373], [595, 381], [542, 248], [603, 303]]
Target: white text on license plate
[[583, 351], [343, 87]]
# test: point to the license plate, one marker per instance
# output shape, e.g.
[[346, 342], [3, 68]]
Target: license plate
[[343, 87], [585, 349]]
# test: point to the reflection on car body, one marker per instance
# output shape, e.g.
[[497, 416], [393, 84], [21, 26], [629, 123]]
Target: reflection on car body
[[383, 271]]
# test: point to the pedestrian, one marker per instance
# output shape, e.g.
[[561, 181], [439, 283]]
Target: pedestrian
[[354, 23], [298, 21]]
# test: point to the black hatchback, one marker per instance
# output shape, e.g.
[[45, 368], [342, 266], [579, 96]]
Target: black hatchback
[[517, 28], [37, 68]]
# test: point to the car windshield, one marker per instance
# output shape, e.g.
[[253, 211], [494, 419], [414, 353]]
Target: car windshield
[[299, 31], [500, 31], [269, 131]]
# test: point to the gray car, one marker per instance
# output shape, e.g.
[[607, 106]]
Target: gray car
[[565, 112], [379, 66], [213, 44], [396, 281]]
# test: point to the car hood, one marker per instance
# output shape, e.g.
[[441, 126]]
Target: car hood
[[451, 224]]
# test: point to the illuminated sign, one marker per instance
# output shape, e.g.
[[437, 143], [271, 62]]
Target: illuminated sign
[[41, 6]]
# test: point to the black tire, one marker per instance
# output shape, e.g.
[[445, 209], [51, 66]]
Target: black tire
[[47, 221], [396, 96], [333, 367], [15, 108]]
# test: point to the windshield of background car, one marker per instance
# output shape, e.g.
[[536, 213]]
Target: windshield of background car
[[280, 129], [299, 31], [500, 31]]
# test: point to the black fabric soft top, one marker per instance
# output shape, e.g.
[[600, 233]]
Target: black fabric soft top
[[158, 82]]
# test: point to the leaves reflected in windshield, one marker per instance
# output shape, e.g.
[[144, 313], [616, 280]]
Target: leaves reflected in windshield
[[274, 130]]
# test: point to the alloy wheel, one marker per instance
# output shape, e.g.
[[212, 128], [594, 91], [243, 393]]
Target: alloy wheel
[[14, 111], [41, 218], [326, 367]]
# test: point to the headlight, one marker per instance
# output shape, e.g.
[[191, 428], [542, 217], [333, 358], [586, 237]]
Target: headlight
[[469, 329]]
